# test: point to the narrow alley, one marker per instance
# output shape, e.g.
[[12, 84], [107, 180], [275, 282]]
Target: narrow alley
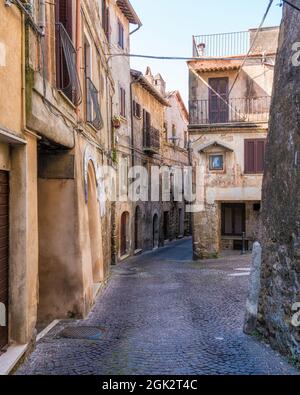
[[162, 313]]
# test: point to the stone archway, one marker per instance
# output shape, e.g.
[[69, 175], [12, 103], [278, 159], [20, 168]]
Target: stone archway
[[138, 231], [95, 232], [124, 247]]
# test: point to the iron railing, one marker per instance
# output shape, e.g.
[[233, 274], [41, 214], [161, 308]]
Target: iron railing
[[93, 112], [217, 111], [221, 45], [151, 140], [67, 77]]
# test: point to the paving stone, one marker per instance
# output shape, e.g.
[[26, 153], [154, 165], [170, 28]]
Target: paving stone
[[174, 316]]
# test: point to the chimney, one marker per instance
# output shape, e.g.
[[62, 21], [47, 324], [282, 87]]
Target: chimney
[[201, 49]]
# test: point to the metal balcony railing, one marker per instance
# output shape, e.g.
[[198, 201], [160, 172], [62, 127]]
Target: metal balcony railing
[[93, 112], [151, 140], [221, 45], [67, 77], [217, 111]]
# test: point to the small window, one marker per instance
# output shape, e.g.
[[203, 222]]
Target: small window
[[255, 156], [123, 102], [121, 35], [137, 111], [216, 162]]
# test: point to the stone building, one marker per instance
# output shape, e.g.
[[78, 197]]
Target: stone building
[[121, 18], [156, 222], [55, 137], [18, 184], [230, 96], [279, 318]]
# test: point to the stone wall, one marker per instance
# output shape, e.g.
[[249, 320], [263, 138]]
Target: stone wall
[[281, 201]]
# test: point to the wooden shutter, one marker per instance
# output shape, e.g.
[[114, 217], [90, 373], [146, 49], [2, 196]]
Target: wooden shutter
[[249, 156], [122, 102], [218, 109], [260, 155], [254, 156], [107, 24]]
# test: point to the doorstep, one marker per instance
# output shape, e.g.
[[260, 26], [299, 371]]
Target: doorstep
[[11, 357]]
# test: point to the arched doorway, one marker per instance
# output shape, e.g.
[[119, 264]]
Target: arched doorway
[[155, 231], [95, 233], [137, 229], [124, 233]]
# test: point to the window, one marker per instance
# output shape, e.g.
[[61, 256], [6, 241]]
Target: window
[[137, 112], [218, 96], [122, 102], [106, 19], [255, 156], [216, 162], [67, 79], [233, 219], [120, 35]]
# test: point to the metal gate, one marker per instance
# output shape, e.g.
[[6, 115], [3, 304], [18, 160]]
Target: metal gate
[[4, 254]]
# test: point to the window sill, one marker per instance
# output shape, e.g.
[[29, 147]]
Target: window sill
[[66, 99]]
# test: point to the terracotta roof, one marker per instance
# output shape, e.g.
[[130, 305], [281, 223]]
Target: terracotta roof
[[215, 65], [140, 78], [129, 12]]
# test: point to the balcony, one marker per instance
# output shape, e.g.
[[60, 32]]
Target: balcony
[[221, 45], [232, 111], [67, 76], [93, 112], [151, 140]]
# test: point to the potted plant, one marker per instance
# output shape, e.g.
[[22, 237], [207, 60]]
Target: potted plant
[[116, 122]]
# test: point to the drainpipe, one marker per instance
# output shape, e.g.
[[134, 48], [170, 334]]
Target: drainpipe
[[78, 46], [135, 30]]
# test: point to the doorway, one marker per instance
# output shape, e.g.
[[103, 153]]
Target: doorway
[[233, 219], [124, 233], [137, 229], [155, 231], [218, 97], [4, 256], [166, 225]]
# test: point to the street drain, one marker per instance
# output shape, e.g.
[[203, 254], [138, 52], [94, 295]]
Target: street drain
[[81, 332]]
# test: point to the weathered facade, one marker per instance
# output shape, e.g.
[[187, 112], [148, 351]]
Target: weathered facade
[[278, 318], [122, 18], [229, 109], [157, 222], [56, 134], [18, 189]]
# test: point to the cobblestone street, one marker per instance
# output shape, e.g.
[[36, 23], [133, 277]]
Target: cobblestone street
[[161, 313]]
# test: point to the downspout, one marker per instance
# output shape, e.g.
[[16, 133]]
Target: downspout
[[135, 30], [78, 47]]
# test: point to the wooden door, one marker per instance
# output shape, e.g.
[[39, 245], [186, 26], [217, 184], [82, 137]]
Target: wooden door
[[4, 255], [218, 97]]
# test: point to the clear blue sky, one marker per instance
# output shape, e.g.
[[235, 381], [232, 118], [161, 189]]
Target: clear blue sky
[[168, 27]]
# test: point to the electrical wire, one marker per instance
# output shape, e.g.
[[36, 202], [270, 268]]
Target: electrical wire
[[291, 5], [252, 46]]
